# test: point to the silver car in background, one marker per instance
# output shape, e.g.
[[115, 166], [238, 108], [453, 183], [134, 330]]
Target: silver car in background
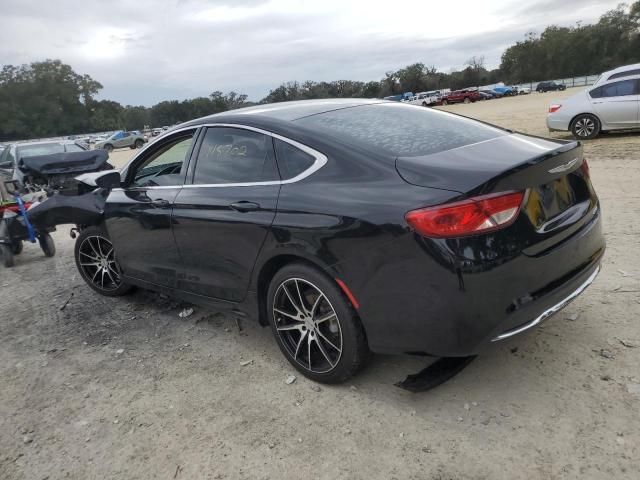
[[122, 139], [610, 105]]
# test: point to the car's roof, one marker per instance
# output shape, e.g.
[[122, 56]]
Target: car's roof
[[618, 72], [624, 68], [634, 76], [292, 110]]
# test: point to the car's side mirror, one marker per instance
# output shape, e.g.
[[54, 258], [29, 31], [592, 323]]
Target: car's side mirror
[[8, 164], [108, 180]]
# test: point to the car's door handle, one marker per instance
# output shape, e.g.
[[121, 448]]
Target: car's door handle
[[161, 203], [245, 206]]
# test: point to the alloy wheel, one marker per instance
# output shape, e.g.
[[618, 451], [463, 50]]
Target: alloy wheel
[[98, 263], [585, 127], [307, 325]]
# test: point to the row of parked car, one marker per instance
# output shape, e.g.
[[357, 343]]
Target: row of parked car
[[469, 95], [119, 139]]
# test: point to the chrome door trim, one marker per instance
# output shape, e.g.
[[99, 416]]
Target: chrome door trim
[[320, 159]]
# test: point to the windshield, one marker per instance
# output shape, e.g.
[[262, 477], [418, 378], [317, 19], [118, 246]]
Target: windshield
[[39, 149], [73, 147]]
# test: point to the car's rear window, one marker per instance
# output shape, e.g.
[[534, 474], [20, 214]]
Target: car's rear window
[[401, 130]]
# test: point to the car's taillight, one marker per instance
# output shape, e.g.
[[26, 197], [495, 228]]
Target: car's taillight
[[554, 108], [468, 217]]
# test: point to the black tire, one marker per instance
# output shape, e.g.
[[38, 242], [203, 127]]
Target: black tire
[[424, 104], [16, 247], [467, 100], [139, 143], [108, 147], [444, 102], [91, 245], [47, 244], [7, 255], [340, 349], [585, 126]]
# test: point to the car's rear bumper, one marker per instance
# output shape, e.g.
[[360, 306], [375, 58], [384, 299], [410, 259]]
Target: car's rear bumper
[[555, 124], [551, 310], [434, 305]]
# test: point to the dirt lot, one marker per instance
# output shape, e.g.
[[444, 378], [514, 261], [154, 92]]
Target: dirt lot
[[124, 388]]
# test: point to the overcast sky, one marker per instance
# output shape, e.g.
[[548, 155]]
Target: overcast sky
[[145, 51]]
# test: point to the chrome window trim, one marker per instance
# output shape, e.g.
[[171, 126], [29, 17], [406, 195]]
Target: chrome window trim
[[320, 159]]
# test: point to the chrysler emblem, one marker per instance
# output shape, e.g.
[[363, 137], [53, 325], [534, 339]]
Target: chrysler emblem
[[564, 167]]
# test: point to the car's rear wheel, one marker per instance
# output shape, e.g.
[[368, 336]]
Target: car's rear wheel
[[444, 102], [467, 100], [139, 143], [97, 264], [314, 324], [585, 126]]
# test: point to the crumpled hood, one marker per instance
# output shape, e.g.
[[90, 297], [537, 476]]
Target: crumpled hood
[[63, 163]]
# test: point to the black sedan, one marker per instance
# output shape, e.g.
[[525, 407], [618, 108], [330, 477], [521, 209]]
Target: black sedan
[[550, 87], [351, 226]]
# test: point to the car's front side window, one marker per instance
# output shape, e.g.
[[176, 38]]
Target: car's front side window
[[233, 155], [164, 166]]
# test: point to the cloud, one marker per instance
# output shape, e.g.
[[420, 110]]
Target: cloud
[[151, 50]]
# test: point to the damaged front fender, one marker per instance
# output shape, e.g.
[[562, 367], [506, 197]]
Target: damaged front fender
[[84, 210]]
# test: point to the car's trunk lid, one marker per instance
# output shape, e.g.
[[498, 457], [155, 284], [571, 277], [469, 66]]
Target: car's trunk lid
[[559, 198]]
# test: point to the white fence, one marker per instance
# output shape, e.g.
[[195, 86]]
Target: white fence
[[569, 82]]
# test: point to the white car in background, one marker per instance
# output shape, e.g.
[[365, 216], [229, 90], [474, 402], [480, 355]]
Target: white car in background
[[611, 105], [425, 98]]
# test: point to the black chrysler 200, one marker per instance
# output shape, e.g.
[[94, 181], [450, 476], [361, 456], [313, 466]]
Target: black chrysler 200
[[352, 226]]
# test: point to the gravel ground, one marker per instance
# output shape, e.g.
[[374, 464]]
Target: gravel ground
[[124, 388]]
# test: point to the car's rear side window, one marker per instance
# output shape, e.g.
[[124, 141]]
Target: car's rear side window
[[291, 160], [616, 89], [401, 130]]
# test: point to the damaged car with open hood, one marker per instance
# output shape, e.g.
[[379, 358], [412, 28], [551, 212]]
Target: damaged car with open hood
[[348, 227], [35, 180]]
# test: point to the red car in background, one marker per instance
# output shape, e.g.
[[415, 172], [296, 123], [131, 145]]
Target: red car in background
[[461, 96]]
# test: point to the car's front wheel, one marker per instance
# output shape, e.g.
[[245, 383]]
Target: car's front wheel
[[97, 264], [585, 126], [108, 147], [315, 326]]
